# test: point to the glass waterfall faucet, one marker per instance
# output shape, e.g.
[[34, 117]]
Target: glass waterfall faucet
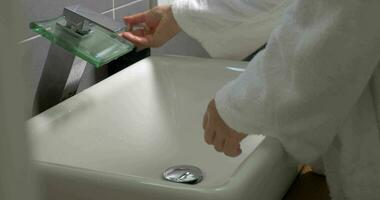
[[79, 32]]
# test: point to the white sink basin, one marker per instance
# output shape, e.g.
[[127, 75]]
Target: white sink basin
[[114, 140]]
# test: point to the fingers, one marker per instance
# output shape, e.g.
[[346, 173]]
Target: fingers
[[226, 142], [162, 33], [135, 33], [158, 26], [232, 147], [209, 136], [219, 142], [228, 145], [143, 38], [205, 119], [166, 29], [217, 133], [138, 38], [135, 19]]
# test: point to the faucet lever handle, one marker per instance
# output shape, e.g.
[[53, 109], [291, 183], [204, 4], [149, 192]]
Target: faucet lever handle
[[80, 18]]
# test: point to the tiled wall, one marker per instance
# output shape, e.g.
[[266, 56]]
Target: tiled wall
[[37, 47]]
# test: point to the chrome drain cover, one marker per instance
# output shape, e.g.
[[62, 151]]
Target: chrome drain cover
[[183, 174]]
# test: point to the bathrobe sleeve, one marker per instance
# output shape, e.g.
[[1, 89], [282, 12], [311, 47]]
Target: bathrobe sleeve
[[301, 88], [230, 29]]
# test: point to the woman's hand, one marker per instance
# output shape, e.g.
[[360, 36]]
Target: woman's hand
[[152, 28], [217, 133]]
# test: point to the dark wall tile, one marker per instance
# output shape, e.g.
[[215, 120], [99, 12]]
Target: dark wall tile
[[35, 54], [139, 6], [124, 2]]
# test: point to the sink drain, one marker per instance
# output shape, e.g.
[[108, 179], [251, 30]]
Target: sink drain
[[183, 174]]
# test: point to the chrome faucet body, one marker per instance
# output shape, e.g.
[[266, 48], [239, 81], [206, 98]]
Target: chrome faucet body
[[63, 71]]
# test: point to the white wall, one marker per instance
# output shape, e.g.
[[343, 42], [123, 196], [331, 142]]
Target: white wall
[[15, 171]]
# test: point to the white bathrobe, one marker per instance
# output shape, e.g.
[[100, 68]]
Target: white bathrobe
[[315, 88]]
